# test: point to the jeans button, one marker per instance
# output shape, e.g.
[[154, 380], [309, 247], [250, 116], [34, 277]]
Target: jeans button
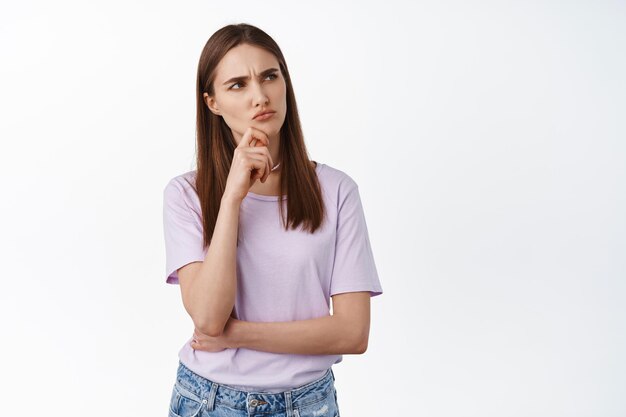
[[254, 403]]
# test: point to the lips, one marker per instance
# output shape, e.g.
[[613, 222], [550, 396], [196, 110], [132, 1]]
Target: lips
[[263, 112]]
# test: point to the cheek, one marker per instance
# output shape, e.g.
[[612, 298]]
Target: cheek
[[234, 111], [280, 97], [235, 123], [232, 106]]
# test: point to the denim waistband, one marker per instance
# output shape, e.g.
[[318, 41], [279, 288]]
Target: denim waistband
[[210, 393]]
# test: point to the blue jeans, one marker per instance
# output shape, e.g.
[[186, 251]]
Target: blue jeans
[[196, 396]]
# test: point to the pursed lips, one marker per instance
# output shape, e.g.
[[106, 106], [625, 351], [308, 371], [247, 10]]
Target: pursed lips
[[264, 113]]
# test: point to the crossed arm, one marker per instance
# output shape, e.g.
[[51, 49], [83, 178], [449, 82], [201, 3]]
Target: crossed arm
[[345, 332]]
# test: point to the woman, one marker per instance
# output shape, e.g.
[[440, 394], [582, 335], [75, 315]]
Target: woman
[[257, 269]]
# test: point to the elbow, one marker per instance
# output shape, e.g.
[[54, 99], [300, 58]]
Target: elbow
[[361, 347], [203, 325], [355, 338], [213, 331], [210, 329], [211, 326], [359, 344]]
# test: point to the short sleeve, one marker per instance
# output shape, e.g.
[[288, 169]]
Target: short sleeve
[[354, 268], [182, 230]]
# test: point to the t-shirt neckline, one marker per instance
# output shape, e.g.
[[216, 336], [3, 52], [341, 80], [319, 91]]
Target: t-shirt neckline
[[256, 196]]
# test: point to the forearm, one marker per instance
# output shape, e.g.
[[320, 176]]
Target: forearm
[[215, 287], [326, 335]]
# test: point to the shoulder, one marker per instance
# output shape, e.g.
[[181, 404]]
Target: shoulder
[[181, 189], [182, 182], [337, 184], [335, 179]]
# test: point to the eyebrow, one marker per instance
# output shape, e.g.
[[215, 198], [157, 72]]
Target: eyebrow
[[245, 78]]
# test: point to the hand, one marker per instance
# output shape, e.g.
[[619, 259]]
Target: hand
[[251, 161], [216, 343]]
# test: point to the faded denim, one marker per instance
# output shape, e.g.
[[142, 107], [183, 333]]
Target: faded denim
[[196, 396]]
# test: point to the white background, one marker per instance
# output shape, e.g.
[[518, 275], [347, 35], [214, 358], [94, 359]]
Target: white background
[[488, 142]]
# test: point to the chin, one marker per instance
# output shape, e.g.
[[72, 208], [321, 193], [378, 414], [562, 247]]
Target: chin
[[272, 127]]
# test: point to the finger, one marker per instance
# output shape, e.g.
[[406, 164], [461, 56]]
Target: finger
[[256, 143], [262, 154], [269, 168], [270, 164], [251, 134], [266, 153], [260, 164], [263, 139]]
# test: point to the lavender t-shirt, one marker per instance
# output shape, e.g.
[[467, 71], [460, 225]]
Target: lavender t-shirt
[[281, 275]]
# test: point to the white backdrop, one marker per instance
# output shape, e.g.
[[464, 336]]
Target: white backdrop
[[487, 139]]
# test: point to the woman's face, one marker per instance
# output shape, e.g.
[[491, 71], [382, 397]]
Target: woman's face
[[262, 87]]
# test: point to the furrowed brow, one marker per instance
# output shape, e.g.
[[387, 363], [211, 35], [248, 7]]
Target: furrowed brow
[[245, 78]]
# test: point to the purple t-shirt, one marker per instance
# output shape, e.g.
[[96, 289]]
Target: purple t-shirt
[[281, 275]]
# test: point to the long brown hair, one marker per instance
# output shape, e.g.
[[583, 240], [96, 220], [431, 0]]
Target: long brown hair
[[215, 145]]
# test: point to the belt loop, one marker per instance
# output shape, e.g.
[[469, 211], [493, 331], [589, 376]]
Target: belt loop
[[332, 373], [211, 399], [288, 404]]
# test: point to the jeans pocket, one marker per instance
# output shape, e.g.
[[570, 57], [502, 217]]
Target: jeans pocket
[[184, 403], [326, 407]]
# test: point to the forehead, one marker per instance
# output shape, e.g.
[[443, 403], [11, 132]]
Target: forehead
[[243, 60]]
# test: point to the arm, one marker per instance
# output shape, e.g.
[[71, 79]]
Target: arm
[[345, 332], [209, 287]]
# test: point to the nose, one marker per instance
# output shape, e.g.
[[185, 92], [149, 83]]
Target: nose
[[258, 94]]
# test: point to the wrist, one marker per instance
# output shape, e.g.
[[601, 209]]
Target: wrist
[[237, 334], [230, 201]]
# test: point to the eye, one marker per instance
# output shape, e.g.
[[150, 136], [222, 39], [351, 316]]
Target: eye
[[269, 75]]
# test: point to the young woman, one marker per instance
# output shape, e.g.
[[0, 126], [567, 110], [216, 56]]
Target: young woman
[[259, 238]]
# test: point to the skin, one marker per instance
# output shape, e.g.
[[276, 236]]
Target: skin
[[238, 102], [346, 331]]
